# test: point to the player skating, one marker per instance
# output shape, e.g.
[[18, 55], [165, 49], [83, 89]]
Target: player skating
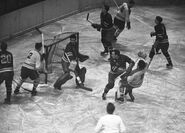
[[161, 41], [30, 69], [118, 66], [133, 80], [6, 70], [122, 17], [106, 28], [71, 54]]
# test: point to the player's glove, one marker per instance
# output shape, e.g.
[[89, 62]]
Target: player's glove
[[128, 25], [152, 34], [96, 26], [82, 57]]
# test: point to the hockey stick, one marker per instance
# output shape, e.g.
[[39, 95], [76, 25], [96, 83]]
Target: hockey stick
[[115, 3], [22, 87], [87, 18]]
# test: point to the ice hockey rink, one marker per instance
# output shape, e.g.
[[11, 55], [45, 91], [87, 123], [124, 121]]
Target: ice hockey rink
[[159, 106]]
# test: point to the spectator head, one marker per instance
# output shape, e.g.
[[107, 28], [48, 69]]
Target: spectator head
[[3, 46], [110, 108]]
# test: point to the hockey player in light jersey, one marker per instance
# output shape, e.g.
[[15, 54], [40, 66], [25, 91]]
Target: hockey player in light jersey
[[6, 70], [123, 17], [133, 80], [30, 69]]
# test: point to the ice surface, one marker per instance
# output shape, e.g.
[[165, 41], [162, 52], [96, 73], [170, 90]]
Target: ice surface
[[160, 102]]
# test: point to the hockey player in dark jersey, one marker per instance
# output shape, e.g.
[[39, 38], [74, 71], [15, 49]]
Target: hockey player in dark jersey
[[107, 30], [161, 41], [6, 70], [71, 54], [118, 66]]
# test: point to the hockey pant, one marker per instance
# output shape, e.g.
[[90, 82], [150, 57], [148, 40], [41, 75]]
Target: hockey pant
[[7, 77], [124, 89], [111, 80], [119, 26], [164, 49], [107, 37]]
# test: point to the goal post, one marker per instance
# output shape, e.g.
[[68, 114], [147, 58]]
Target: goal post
[[54, 50]]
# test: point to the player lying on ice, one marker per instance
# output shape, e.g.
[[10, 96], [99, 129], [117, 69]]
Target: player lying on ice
[[133, 80]]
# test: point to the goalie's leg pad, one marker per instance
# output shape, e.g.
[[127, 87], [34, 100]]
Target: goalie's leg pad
[[62, 79], [81, 74]]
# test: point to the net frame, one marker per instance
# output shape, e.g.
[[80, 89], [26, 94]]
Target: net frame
[[50, 46]]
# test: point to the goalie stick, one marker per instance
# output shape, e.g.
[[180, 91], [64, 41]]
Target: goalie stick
[[87, 18]]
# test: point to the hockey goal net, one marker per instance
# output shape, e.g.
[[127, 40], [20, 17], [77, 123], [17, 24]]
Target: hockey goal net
[[54, 49]]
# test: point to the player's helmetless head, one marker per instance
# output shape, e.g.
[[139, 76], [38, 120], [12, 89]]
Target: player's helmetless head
[[3, 46], [105, 8], [141, 65], [110, 108], [115, 54], [131, 3], [38, 46], [158, 19], [72, 38]]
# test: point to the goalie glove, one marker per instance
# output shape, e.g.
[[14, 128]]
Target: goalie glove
[[82, 57], [96, 26], [128, 25]]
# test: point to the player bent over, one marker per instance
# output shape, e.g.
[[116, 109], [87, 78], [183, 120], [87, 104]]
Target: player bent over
[[118, 66], [71, 54], [161, 41], [6, 71], [30, 69], [133, 80], [123, 17]]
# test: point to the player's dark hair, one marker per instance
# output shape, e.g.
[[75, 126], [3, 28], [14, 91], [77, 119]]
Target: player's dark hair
[[159, 19], [141, 64], [38, 45], [131, 2], [110, 108], [116, 51], [106, 7], [73, 36], [3, 46]]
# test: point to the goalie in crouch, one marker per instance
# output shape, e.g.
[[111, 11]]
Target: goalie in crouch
[[71, 54]]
